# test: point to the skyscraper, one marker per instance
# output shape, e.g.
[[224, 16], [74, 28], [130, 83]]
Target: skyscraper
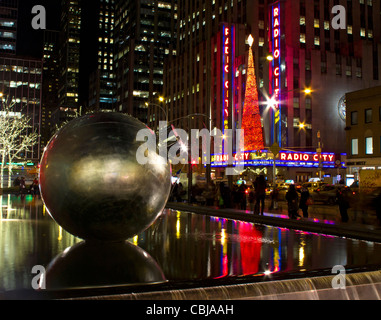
[[70, 27], [97, 80], [50, 86], [144, 35]]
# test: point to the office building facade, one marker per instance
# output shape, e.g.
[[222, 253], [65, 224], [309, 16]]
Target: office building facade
[[363, 131], [20, 83], [8, 26], [97, 55], [69, 55], [144, 38], [307, 52]]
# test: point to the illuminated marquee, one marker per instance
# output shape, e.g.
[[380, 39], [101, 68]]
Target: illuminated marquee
[[275, 70], [286, 159], [307, 157], [227, 64]]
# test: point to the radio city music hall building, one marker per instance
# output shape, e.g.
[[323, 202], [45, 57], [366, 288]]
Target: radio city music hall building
[[209, 75]]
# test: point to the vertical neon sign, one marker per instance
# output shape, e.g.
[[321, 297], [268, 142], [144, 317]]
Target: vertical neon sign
[[227, 66], [275, 72]]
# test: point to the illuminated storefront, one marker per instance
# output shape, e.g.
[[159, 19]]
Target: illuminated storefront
[[286, 159]]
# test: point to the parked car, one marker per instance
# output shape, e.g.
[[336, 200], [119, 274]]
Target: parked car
[[326, 194]]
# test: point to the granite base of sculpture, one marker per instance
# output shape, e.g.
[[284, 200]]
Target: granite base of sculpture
[[92, 184]]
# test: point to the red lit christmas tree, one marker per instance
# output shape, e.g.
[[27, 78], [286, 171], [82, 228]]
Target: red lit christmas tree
[[251, 118]]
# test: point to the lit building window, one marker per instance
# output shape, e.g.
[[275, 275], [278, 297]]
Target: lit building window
[[369, 145], [355, 146]]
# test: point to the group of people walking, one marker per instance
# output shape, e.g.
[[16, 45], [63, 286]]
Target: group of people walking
[[298, 201], [21, 184], [294, 203]]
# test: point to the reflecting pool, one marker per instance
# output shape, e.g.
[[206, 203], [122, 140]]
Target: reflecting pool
[[182, 246]]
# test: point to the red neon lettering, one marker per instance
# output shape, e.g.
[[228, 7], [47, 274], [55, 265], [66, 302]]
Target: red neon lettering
[[330, 158], [227, 31], [283, 156], [227, 112], [324, 157], [276, 54], [276, 43], [226, 103], [276, 23], [276, 71], [306, 157], [296, 157], [227, 41], [289, 157], [276, 33], [316, 157], [227, 84], [226, 50], [227, 68], [276, 12]]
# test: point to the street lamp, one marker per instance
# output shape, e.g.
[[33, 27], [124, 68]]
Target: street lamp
[[307, 91], [148, 104]]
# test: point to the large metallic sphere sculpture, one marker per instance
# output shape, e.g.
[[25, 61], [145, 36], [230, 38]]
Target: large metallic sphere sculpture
[[92, 183]]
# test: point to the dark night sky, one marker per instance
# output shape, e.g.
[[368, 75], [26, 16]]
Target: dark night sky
[[29, 42]]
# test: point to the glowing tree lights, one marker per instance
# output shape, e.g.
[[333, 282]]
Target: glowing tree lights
[[251, 118]]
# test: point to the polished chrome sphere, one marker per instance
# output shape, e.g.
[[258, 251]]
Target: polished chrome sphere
[[92, 184]]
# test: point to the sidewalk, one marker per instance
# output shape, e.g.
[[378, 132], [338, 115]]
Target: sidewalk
[[322, 219]]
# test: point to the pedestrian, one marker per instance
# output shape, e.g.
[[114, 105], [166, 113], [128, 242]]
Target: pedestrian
[[304, 201], [242, 196], [260, 192], [343, 202], [236, 196], [252, 199], [22, 185], [220, 195], [174, 192], [292, 198], [16, 182], [210, 193], [377, 204], [34, 188]]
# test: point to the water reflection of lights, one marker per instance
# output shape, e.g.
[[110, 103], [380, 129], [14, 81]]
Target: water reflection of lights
[[59, 233], [178, 224], [223, 236]]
